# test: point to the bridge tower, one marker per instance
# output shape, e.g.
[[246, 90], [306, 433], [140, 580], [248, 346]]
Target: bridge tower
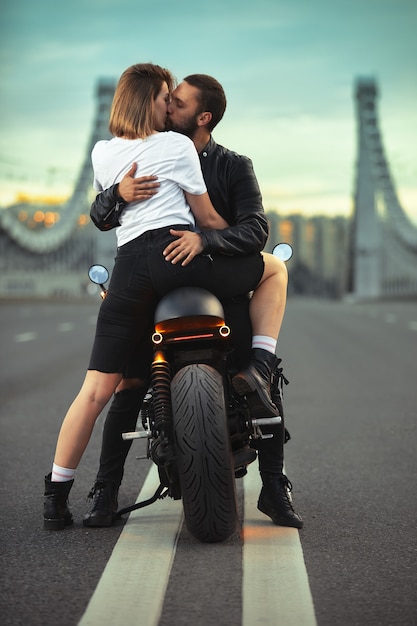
[[384, 240], [47, 259]]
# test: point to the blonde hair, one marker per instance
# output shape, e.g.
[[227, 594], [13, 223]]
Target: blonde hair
[[132, 112]]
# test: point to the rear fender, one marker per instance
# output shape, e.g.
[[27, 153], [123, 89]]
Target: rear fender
[[189, 312], [188, 302]]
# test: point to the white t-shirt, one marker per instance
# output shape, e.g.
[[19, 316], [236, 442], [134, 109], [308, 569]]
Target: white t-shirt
[[170, 156]]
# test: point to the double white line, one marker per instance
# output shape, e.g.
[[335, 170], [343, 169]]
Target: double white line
[[275, 583]]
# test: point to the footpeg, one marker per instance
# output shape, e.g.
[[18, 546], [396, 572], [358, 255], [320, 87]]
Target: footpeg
[[139, 434], [257, 424], [266, 421]]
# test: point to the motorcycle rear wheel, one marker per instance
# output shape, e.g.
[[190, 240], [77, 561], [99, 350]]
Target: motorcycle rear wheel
[[203, 453]]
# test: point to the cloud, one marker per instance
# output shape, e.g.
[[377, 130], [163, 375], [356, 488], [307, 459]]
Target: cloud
[[288, 70]]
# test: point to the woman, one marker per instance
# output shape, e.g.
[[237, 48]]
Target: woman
[[141, 274]]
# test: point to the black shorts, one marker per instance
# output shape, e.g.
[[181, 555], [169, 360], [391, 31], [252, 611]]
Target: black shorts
[[141, 276]]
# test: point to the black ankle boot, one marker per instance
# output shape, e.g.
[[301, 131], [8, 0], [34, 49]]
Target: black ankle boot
[[255, 383], [104, 508], [274, 501], [56, 514]]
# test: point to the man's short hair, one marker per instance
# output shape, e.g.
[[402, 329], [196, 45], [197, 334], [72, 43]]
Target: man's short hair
[[212, 97]]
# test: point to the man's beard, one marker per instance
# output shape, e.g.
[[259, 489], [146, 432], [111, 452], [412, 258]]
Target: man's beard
[[187, 128]]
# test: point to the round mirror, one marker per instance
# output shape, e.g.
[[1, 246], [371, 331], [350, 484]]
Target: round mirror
[[283, 251], [98, 274]]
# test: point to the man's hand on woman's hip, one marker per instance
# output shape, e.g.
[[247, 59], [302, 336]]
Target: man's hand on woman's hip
[[185, 248]]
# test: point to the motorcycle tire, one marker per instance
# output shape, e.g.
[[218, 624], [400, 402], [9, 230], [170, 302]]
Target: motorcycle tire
[[204, 458]]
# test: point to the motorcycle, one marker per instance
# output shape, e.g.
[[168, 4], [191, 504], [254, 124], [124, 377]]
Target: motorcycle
[[199, 431]]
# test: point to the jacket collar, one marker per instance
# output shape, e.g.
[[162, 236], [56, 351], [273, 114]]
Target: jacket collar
[[208, 149]]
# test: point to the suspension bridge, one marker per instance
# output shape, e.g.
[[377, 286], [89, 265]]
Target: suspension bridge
[[46, 250], [384, 240]]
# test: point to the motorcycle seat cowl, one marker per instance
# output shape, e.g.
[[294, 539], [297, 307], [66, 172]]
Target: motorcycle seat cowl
[[189, 302]]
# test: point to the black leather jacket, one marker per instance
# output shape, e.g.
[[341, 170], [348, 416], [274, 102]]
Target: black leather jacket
[[234, 192]]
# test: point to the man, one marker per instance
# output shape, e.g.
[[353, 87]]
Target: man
[[197, 105]]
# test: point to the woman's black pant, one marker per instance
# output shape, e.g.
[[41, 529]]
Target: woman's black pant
[[141, 276]]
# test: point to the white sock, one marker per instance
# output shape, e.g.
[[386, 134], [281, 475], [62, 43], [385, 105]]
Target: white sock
[[264, 342], [61, 474]]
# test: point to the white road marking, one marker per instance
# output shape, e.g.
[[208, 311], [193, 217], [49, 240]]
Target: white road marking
[[65, 327], [132, 588], [275, 582], [22, 337]]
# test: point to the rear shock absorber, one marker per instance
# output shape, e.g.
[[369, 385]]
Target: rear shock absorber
[[161, 384], [161, 449]]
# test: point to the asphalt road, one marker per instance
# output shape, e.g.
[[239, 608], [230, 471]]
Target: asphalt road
[[351, 410]]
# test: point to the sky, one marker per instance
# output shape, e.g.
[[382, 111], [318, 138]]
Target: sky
[[288, 68]]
